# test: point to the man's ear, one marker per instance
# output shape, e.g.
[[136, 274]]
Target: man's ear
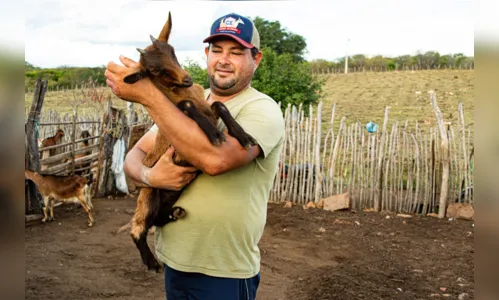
[[206, 51], [134, 77], [258, 58]]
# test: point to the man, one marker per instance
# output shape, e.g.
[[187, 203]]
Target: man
[[213, 252]]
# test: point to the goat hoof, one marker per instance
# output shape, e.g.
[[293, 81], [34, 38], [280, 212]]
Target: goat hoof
[[247, 142], [153, 265], [90, 224], [218, 138], [244, 139], [178, 213]]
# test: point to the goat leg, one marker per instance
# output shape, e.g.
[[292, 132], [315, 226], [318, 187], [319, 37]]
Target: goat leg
[[233, 127], [86, 206], [142, 219], [215, 136], [141, 222], [46, 200]]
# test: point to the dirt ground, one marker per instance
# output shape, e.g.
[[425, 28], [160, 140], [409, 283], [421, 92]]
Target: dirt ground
[[306, 254]]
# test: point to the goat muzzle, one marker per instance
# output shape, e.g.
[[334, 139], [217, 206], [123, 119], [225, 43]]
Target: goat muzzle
[[185, 83]]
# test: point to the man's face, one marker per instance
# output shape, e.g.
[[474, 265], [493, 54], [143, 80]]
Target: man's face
[[230, 66]]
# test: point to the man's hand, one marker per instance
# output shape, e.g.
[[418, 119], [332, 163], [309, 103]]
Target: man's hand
[[167, 175], [141, 92]]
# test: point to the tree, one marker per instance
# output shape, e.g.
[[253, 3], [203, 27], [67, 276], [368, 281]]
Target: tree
[[320, 65], [430, 59], [273, 36], [199, 75], [286, 80], [358, 61], [29, 67]]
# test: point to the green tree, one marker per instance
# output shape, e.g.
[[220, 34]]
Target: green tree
[[321, 65], [273, 36], [286, 80], [284, 74], [199, 74]]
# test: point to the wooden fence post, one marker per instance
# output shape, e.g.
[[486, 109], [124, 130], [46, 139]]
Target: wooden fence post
[[378, 197], [444, 147], [73, 142], [32, 161], [318, 169]]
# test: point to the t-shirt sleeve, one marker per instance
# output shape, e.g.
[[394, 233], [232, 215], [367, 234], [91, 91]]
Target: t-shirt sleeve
[[154, 128], [263, 120]]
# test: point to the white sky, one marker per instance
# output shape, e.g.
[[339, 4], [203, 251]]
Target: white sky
[[91, 32]]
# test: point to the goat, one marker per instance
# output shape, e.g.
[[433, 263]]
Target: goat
[[64, 189], [53, 140], [155, 207], [84, 135]]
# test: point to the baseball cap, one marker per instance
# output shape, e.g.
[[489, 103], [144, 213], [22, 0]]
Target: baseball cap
[[237, 27]]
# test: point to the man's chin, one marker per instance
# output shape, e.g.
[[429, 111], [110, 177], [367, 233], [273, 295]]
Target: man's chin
[[221, 85]]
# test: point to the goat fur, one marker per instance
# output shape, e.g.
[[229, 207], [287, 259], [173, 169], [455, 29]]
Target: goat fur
[[66, 189]]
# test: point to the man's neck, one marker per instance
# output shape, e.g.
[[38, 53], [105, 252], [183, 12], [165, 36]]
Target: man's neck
[[214, 97]]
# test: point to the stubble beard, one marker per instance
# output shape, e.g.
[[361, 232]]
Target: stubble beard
[[223, 89]]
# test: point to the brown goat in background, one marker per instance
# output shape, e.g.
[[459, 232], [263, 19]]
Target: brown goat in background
[[159, 63], [52, 141], [67, 189]]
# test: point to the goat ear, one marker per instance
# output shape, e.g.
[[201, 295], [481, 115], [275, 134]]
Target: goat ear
[[165, 32], [134, 77]]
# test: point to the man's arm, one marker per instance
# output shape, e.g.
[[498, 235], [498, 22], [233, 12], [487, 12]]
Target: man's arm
[[133, 166], [192, 143], [189, 140], [165, 174]]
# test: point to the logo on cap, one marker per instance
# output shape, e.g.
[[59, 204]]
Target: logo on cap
[[230, 24]]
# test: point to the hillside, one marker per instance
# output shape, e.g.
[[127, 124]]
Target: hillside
[[364, 96]]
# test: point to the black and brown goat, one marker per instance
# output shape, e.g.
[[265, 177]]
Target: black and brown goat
[[155, 207], [85, 135]]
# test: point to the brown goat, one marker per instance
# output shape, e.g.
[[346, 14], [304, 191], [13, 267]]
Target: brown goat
[[50, 141], [66, 189], [53, 140], [159, 63]]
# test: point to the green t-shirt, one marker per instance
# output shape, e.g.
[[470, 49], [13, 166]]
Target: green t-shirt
[[226, 214]]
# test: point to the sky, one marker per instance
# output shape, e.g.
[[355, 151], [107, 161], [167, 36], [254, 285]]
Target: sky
[[92, 33]]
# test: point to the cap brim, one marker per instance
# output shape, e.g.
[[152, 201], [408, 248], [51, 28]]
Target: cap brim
[[239, 40]]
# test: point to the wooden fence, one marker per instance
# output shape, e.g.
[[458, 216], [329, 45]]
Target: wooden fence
[[403, 167], [353, 69], [104, 130], [398, 169]]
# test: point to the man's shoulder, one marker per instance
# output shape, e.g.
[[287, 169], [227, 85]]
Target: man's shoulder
[[252, 98], [254, 93]]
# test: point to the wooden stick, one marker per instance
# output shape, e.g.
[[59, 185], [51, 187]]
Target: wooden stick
[[58, 168], [318, 179], [361, 169], [416, 158], [445, 157], [378, 195], [335, 152], [65, 155]]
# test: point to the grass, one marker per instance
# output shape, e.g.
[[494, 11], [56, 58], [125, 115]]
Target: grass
[[358, 96], [363, 96]]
